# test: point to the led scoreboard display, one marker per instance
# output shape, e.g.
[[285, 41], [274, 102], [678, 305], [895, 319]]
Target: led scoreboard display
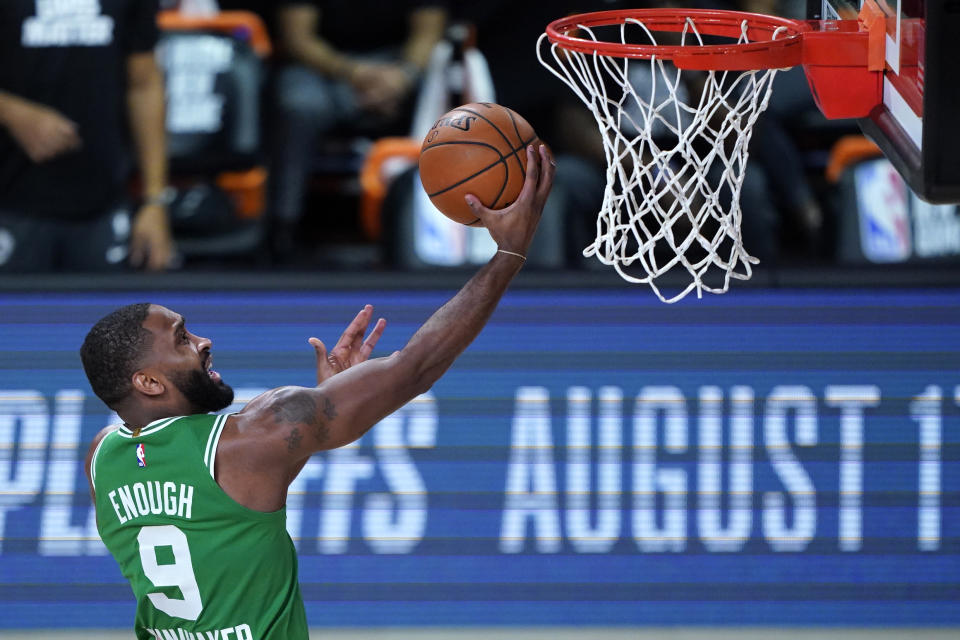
[[596, 458]]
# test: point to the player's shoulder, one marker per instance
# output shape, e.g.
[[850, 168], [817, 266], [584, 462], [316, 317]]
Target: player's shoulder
[[266, 402], [103, 433], [95, 445], [261, 412]]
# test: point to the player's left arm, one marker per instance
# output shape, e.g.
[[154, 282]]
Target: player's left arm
[[244, 441]]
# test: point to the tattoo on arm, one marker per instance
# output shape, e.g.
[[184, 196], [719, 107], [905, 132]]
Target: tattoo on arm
[[293, 440], [301, 408], [328, 409]]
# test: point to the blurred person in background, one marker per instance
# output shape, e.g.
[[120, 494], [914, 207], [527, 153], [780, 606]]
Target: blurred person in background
[[350, 67], [780, 206], [507, 33], [76, 77], [777, 198]]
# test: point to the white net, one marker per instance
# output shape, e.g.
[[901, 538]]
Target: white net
[[676, 150]]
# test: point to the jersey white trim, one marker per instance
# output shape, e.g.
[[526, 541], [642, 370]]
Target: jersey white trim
[[93, 460], [153, 427], [211, 455], [210, 436]]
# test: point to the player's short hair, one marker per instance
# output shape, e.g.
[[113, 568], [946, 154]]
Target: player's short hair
[[112, 350]]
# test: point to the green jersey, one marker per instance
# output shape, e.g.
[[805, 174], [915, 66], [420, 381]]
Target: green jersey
[[201, 566]]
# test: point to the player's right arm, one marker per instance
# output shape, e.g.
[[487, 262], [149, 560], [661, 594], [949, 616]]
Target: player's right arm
[[278, 430], [88, 462]]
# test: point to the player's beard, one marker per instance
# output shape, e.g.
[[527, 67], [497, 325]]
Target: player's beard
[[203, 394]]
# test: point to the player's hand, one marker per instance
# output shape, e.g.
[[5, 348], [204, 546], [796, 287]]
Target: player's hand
[[43, 133], [512, 228], [351, 348], [151, 242]]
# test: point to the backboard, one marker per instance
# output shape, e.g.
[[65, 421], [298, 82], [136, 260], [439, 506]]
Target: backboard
[[917, 126]]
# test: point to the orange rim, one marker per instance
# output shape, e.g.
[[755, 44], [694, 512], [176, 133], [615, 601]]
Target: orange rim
[[774, 42]]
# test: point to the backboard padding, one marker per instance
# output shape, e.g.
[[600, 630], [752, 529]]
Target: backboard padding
[[916, 126]]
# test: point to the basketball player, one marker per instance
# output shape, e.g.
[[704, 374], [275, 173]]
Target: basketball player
[[191, 505]]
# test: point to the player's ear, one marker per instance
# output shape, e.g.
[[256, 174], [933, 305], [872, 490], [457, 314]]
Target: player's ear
[[147, 383]]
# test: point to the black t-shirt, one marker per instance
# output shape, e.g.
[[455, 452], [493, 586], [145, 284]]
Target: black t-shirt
[[363, 26], [71, 55]]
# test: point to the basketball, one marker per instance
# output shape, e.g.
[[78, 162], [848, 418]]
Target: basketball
[[478, 148]]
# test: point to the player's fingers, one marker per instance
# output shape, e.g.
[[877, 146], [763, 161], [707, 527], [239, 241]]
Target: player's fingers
[[476, 206], [529, 187], [533, 174], [322, 365], [549, 166], [367, 348], [319, 348], [356, 342], [364, 317], [357, 327]]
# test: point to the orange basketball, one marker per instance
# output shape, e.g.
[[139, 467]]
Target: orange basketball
[[479, 148]]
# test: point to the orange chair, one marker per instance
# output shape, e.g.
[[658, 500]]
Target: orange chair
[[848, 151], [385, 159], [215, 68]]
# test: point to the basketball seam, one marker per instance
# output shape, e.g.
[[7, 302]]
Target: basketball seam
[[522, 170], [514, 151], [495, 127], [502, 160], [516, 130]]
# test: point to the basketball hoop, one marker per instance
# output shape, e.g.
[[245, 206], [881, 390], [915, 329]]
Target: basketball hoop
[[676, 94]]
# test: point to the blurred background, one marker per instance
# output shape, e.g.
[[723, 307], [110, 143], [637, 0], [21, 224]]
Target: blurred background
[[284, 137], [779, 461]]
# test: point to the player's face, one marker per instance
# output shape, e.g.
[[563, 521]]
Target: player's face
[[186, 361]]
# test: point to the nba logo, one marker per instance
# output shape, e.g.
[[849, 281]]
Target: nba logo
[[141, 456]]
